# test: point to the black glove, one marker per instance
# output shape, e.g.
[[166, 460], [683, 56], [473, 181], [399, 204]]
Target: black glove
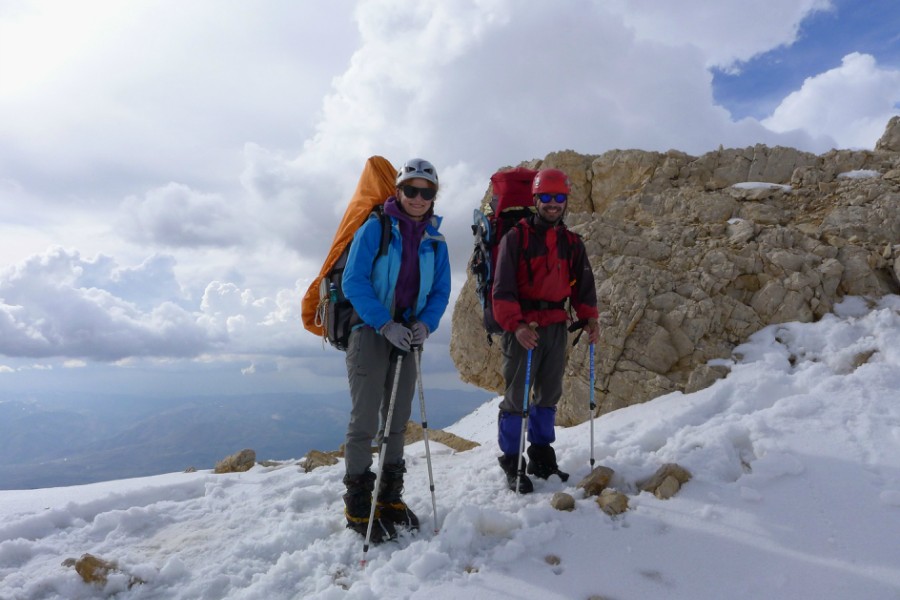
[[398, 335]]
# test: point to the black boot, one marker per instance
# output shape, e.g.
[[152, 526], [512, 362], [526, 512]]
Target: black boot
[[390, 503], [358, 505], [543, 462], [510, 465]]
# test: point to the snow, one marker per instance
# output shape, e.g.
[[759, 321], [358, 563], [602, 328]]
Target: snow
[[859, 174], [756, 185], [795, 493]]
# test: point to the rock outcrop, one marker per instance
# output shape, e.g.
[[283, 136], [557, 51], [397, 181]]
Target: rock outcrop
[[237, 462], [96, 571], [694, 254]]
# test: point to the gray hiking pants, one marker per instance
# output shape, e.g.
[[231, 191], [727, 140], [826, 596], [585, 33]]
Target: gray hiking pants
[[370, 371], [548, 361]]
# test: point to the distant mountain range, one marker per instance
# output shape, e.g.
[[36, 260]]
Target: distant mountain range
[[60, 441]]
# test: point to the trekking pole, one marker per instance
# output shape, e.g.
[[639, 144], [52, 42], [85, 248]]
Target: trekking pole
[[384, 440], [520, 466], [592, 405], [418, 356]]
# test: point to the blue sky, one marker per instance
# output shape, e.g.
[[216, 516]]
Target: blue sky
[[824, 38], [171, 174]]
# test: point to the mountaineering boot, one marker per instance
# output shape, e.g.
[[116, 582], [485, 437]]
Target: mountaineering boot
[[390, 504], [510, 463], [358, 504], [543, 462]]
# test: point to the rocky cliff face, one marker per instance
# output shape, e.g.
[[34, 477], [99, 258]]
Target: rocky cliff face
[[694, 254]]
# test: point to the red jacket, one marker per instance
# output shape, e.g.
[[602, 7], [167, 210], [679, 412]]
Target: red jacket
[[535, 275]]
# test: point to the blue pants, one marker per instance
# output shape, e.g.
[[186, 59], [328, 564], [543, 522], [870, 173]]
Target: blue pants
[[541, 421], [548, 362]]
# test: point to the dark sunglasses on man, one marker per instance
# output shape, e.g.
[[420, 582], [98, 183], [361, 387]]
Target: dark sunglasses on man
[[411, 191], [558, 198]]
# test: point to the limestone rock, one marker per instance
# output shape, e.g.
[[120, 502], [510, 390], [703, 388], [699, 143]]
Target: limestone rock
[[689, 266], [612, 502], [668, 488], [596, 481], [890, 140], [414, 434], [552, 560], [95, 571], [237, 463], [562, 501], [667, 481], [316, 458]]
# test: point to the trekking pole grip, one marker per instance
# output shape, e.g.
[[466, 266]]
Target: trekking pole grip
[[397, 353]]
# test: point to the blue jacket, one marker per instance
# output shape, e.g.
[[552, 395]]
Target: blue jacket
[[370, 287]]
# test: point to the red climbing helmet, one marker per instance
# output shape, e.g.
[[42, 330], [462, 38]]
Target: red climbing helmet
[[550, 181]]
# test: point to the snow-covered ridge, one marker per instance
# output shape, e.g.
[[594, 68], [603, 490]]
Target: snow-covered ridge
[[796, 494], [859, 174]]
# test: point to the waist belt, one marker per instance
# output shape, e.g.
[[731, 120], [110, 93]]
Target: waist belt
[[528, 304]]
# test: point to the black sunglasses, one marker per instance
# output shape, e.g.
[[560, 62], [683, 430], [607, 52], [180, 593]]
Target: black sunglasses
[[411, 191], [545, 198]]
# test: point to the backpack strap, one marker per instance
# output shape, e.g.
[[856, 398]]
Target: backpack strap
[[523, 247], [384, 244], [385, 230], [563, 246], [568, 249]]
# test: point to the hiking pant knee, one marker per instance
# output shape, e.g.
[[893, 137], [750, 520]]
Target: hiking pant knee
[[548, 363], [370, 372]]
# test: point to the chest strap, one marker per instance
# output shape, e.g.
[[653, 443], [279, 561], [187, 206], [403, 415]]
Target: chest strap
[[528, 304]]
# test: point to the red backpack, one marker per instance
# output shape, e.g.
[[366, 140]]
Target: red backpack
[[511, 200]]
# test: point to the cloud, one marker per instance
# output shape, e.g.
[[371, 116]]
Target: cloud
[[729, 32], [473, 87], [495, 83], [852, 103], [47, 310], [150, 283], [59, 304], [266, 326], [152, 93], [176, 215], [204, 157]]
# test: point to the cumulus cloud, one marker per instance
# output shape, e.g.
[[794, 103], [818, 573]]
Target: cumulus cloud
[[59, 304], [474, 86], [46, 309], [729, 32], [265, 120], [267, 325], [852, 103]]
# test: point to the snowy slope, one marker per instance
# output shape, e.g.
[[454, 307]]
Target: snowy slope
[[796, 494]]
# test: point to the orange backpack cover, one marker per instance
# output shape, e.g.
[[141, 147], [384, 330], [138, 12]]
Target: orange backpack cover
[[376, 184]]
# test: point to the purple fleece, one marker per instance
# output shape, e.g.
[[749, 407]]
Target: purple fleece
[[411, 233]]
